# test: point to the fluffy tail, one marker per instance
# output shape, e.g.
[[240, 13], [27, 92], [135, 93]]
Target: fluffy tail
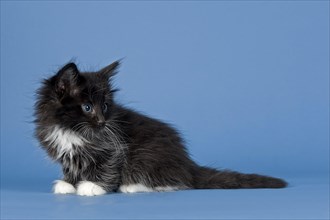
[[208, 178]]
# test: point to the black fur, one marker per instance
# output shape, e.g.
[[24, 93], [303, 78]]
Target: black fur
[[120, 146]]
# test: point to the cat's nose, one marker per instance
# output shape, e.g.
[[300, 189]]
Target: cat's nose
[[101, 122]]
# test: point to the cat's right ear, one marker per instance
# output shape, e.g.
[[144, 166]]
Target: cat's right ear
[[67, 79]]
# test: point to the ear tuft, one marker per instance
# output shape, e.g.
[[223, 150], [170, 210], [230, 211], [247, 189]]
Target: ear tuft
[[111, 69]]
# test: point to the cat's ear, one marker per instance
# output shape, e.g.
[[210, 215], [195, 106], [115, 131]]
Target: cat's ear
[[67, 79], [111, 69]]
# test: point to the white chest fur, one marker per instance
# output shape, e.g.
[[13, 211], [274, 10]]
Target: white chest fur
[[63, 140]]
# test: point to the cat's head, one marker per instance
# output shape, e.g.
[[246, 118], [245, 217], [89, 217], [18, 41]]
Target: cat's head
[[72, 98]]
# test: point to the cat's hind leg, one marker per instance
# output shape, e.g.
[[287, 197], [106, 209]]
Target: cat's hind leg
[[62, 187], [135, 188]]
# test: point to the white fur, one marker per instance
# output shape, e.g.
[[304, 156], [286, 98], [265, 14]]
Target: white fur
[[166, 188], [64, 140], [62, 187], [135, 188], [87, 188]]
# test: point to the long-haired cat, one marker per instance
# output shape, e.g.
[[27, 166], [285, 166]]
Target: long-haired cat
[[105, 147]]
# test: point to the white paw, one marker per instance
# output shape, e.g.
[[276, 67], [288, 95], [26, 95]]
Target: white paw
[[62, 187], [123, 189], [87, 188], [134, 188]]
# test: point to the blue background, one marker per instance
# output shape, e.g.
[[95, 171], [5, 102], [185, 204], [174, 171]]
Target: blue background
[[245, 82]]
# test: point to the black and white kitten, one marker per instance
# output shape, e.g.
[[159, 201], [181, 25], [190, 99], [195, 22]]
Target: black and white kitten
[[105, 147]]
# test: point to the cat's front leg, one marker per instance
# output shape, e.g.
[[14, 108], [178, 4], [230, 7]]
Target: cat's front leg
[[100, 182], [89, 188], [63, 187], [66, 185]]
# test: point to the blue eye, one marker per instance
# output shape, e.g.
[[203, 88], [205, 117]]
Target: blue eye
[[105, 107], [87, 107]]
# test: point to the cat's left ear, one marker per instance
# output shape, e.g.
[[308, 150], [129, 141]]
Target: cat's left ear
[[110, 70]]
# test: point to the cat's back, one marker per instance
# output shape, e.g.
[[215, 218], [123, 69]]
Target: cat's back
[[150, 139], [143, 128]]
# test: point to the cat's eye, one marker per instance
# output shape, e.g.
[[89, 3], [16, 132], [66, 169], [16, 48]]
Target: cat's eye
[[87, 107], [105, 107]]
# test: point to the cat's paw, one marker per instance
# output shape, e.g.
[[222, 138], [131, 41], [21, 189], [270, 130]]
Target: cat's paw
[[134, 188], [87, 188], [62, 187]]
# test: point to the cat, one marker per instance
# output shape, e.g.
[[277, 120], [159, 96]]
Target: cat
[[106, 147]]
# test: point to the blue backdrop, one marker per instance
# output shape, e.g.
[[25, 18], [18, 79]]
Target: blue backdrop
[[246, 83]]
